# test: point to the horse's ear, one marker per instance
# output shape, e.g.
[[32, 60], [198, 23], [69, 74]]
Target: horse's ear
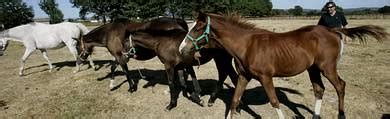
[[200, 16]]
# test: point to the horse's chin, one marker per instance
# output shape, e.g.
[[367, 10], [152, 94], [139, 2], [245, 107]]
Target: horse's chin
[[197, 55]]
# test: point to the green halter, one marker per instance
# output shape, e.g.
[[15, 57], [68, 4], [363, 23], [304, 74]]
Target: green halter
[[204, 35]]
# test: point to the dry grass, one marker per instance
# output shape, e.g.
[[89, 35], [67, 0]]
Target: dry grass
[[62, 94]]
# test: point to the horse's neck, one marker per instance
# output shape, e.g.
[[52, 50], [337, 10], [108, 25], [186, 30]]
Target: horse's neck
[[146, 42], [229, 40], [96, 42], [16, 34]]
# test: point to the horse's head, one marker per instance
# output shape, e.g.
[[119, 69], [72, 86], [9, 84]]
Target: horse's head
[[199, 36], [83, 49], [3, 45]]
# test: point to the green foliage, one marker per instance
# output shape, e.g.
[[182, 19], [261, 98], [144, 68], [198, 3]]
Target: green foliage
[[50, 7], [384, 10], [296, 11], [101, 8], [14, 13], [144, 9], [313, 13]]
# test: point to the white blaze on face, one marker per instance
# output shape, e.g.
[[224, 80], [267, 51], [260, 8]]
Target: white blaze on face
[[183, 43]]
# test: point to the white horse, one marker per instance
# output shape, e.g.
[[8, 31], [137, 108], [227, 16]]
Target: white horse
[[44, 36]]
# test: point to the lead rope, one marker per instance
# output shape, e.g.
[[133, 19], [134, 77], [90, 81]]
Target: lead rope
[[132, 51]]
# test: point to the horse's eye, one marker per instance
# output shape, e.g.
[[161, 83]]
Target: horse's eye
[[197, 30]]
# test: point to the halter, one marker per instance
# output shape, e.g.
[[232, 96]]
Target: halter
[[132, 50], [204, 35], [83, 47]]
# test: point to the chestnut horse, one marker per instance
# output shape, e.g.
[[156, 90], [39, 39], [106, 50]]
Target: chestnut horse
[[160, 37], [263, 55]]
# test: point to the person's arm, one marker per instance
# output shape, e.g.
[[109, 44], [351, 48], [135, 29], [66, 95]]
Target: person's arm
[[321, 21], [344, 22]]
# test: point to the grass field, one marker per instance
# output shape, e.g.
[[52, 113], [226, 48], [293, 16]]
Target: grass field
[[86, 94]]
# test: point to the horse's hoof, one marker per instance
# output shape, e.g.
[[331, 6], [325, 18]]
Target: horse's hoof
[[170, 107], [131, 90], [210, 104], [316, 117], [201, 103], [185, 94], [341, 116], [195, 98]]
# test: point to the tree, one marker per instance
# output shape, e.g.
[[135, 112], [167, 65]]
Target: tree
[[102, 9], [14, 13], [50, 7], [296, 11], [252, 8], [384, 10]]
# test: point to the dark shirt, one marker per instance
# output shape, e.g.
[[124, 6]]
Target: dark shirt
[[337, 20]]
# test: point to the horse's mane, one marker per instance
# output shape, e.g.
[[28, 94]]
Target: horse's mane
[[96, 29], [163, 26], [166, 24], [235, 19]]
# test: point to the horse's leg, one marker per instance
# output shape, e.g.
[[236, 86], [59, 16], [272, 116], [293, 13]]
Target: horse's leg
[[267, 83], [318, 88], [132, 84], [240, 88], [114, 64], [72, 48], [330, 72], [91, 62], [224, 68], [44, 54], [182, 80], [26, 54], [196, 94], [173, 88]]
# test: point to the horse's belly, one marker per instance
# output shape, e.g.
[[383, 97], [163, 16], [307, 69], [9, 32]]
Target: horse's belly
[[50, 45], [292, 69]]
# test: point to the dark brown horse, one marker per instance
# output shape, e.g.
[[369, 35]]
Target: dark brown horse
[[263, 55], [161, 36], [112, 36]]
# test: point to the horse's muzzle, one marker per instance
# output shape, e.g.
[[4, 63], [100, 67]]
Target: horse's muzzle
[[2, 50]]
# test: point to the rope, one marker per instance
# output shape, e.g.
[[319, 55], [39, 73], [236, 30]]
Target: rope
[[132, 51]]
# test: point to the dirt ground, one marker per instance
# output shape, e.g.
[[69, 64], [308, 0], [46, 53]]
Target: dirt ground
[[86, 94]]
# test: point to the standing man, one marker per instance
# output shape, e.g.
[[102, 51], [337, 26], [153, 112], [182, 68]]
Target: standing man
[[332, 18]]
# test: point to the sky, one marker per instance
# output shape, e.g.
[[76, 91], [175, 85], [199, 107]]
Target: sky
[[70, 12]]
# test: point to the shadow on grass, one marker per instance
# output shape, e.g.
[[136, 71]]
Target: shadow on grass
[[59, 65], [253, 96]]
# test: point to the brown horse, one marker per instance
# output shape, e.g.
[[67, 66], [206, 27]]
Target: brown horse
[[112, 36], [263, 55], [159, 37]]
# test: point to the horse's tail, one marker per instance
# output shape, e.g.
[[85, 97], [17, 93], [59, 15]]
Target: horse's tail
[[82, 28], [362, 32]]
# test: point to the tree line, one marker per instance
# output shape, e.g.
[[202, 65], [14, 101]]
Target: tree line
[[16, 12]]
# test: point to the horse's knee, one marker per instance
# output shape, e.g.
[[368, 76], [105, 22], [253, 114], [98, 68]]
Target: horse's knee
[[340, 87], [319, 92]]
